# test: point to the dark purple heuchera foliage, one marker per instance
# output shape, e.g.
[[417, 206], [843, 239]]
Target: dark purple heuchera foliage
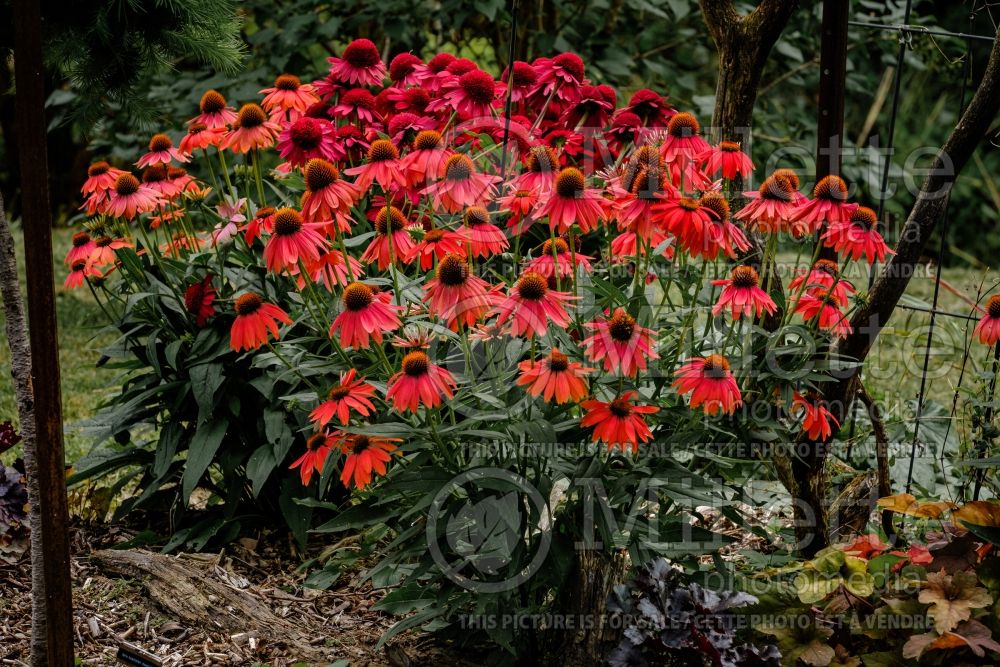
[[668, 622], [8, 436], [13, 500]]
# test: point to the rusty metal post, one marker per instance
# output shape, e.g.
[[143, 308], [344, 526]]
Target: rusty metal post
[[37, 223], [832, 90]]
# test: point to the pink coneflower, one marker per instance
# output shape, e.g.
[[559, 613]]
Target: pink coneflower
[[403, 70], [723, 236], [858, 237], [530, 305], [742, 295], [392, 243], [650, 108], [429, 157], [292, 242], [263, 221], [101, 177], [103, 253], [419, 383], [521, 205], [161, 151], [252, 129], [817, 421], [554, 377], [331, 269], [328, 198], [360, 64], [307, 138], [988, 328], [156, 178], [561, 265], [403, 128], [213, 111], [200, 137], [366, 316], [727, 158], [129, 197], [570, 201], [625, 130], [412, 100], [427, 75], [829, 205], [350, 394], [823, 277], [631, 244], [80, 271], [199, 300], [470, 95], [81, 248], [710, 383], [318, 448], [521, 81], [561, 76], [383, 166], [637, 196], [824, 307], [484, 239], [357, 104], [435, 245], [618, 423], [255, 319], [456, 296], [770, 209], [461, 186], [289, 94], [592, 109], [620, 344], [351, 144], [541, 167], [683, 140]]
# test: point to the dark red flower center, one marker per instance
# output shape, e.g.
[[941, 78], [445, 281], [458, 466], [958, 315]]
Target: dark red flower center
[[478, 86], [80, 239], [532, 286], [98, 168], [716, 366], [458, 168], [174, 173], [524, 74], [358, 296], [558, 361], [319, 174], [250, 116], [993, 306], [717, 203], [440, 62], [865, 218], [126, 184], [287, 82], [338, 393], [416, 364], [389, 216], [402, 65], [620, 407], [542, 159], [460, 66], [417, 99], [360, 443], [306, 133], [315, 441], [621, 326], [362, 54], [160, 142], [103, 241], [452, 270], [744, 277], [79, 265], [382, 150], [287, 221], [249, 303], [212, 102], [831, 188], [571, 63], [358, 98], [570, 182], [683, 125]]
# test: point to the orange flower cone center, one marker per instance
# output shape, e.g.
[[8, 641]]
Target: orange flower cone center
[[415, 364], [358, 296], [389, 216], [621, 326], [683, 125], [831, 188], [287, 82], [452, 270], [287, 221], [532, 286], [160, 142], [716, 366], [319, 174], [558, 361], [570, 182], [458, 168], [248, 304], [382, 150], [250, 116], [476, 215], [126, 184], [427, 140], [212, 102], [745, 276]]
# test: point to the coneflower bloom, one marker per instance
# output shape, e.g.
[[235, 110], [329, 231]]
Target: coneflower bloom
[[621, 344], [618, 423], [360, 64], [199, 300], [988, 328], [455, 295], [383, 166], [461, 186], [101, 177], [350, 394], [683, 140], [419, 383], [352, 144], [103, 253], [823, 306], [80, 271], [391, 243], [428, 76], [213, 111], [541, 167], [858, 236], [289, 94], [292, 242], [428, 157], [435, 245], [625, 130], [366, 455], [318, 448], [770, 209], [403, 69], [161, 151], [555, 259], [328, 198], [255, 319], [728, 159], [470, 95], [263, 222], [688, 221], [561, 76], [156, 177], [482, 236], [723, 236], [823, 277], [307, 138], [366, 316], [530, 305], [636, 195], [554, 377], [742, 295], [592, 109], [357, 105], [710, 383], [650, 108], [631, 244], [200, 136], [252, 129], [829, 205], [570, 201], [521, 79], [403, 128], [817, 421], [521, 205], [331, 269], [129, 197], [82, 247]]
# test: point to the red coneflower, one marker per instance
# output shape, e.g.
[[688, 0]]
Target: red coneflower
[[331, 269], [366, 455], [772, 208], [823, 306], [307, 138], [419, 383], [156, 177], [461, 186], [554, 377], [988, 327], [482, 236], [366, 316], [688, 221], [650, 108], [292, 241], [403, 128], [391, 243], [683, 140], [631, 244], [818, 422], [727, 158], [592, 109], [626, 129], [521, 205], [570, 201], [436, 244], [318, 448], [252, 129], [81, 248], [532, 304], [383, 166], [561, 265], [80, 271], [723, 236], [561, 76], [289, 94], [103, 252], [255, 319], [741, 293], [403, 69], [455, 295], [198, 299], [161, 151], [360, 64], [357, 105], [541, 165], [829, 205], [521, 80], [825, 277], [620, 343], [470, 95], [263, 221], [129, 197], [428, 157], [637, 193], [350, 393], [858, 236], [328, 197], [213, 111], [710, 383], [200, 137], [618, 423], [101, 177]]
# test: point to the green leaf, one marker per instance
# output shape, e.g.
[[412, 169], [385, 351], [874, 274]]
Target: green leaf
[[204, 445], [205, 381]]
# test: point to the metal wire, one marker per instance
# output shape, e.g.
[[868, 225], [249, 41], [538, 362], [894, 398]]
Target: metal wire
[[919, 30], [510, 89]]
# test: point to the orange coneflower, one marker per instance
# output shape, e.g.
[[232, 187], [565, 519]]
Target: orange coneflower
[[201, 136], [293, 241], [541, 168], [570, 201], [289, 94], [483, 237], [727, 158], [350, 393], [81, 248], [101, 177], [161, 151], [391, 243], [683, 140], [823, 306], [419, 383], [213, 111], [710, 383], [328, 198], [688, 221], [858, 236], [255, 319], [199, 299], [530, 305], [741, 293], [366, 315], [332, 269], [318, 448], [723, 236], [554, 377], [129, 197], [461, 186], [818, 422], [252, 129], [455, 295], [772, 207], [521, 205], [618, 423], [829, 205], [366, 454], [435, 245], [988, 327], [620, 343], [263, 222], [383, 166], [562, 264], [80, 271], [360, 64], [824, 276], [103, 252]]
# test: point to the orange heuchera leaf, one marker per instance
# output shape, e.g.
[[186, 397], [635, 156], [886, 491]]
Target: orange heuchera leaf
[[978, 513], [905, 503], [952, 598]]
